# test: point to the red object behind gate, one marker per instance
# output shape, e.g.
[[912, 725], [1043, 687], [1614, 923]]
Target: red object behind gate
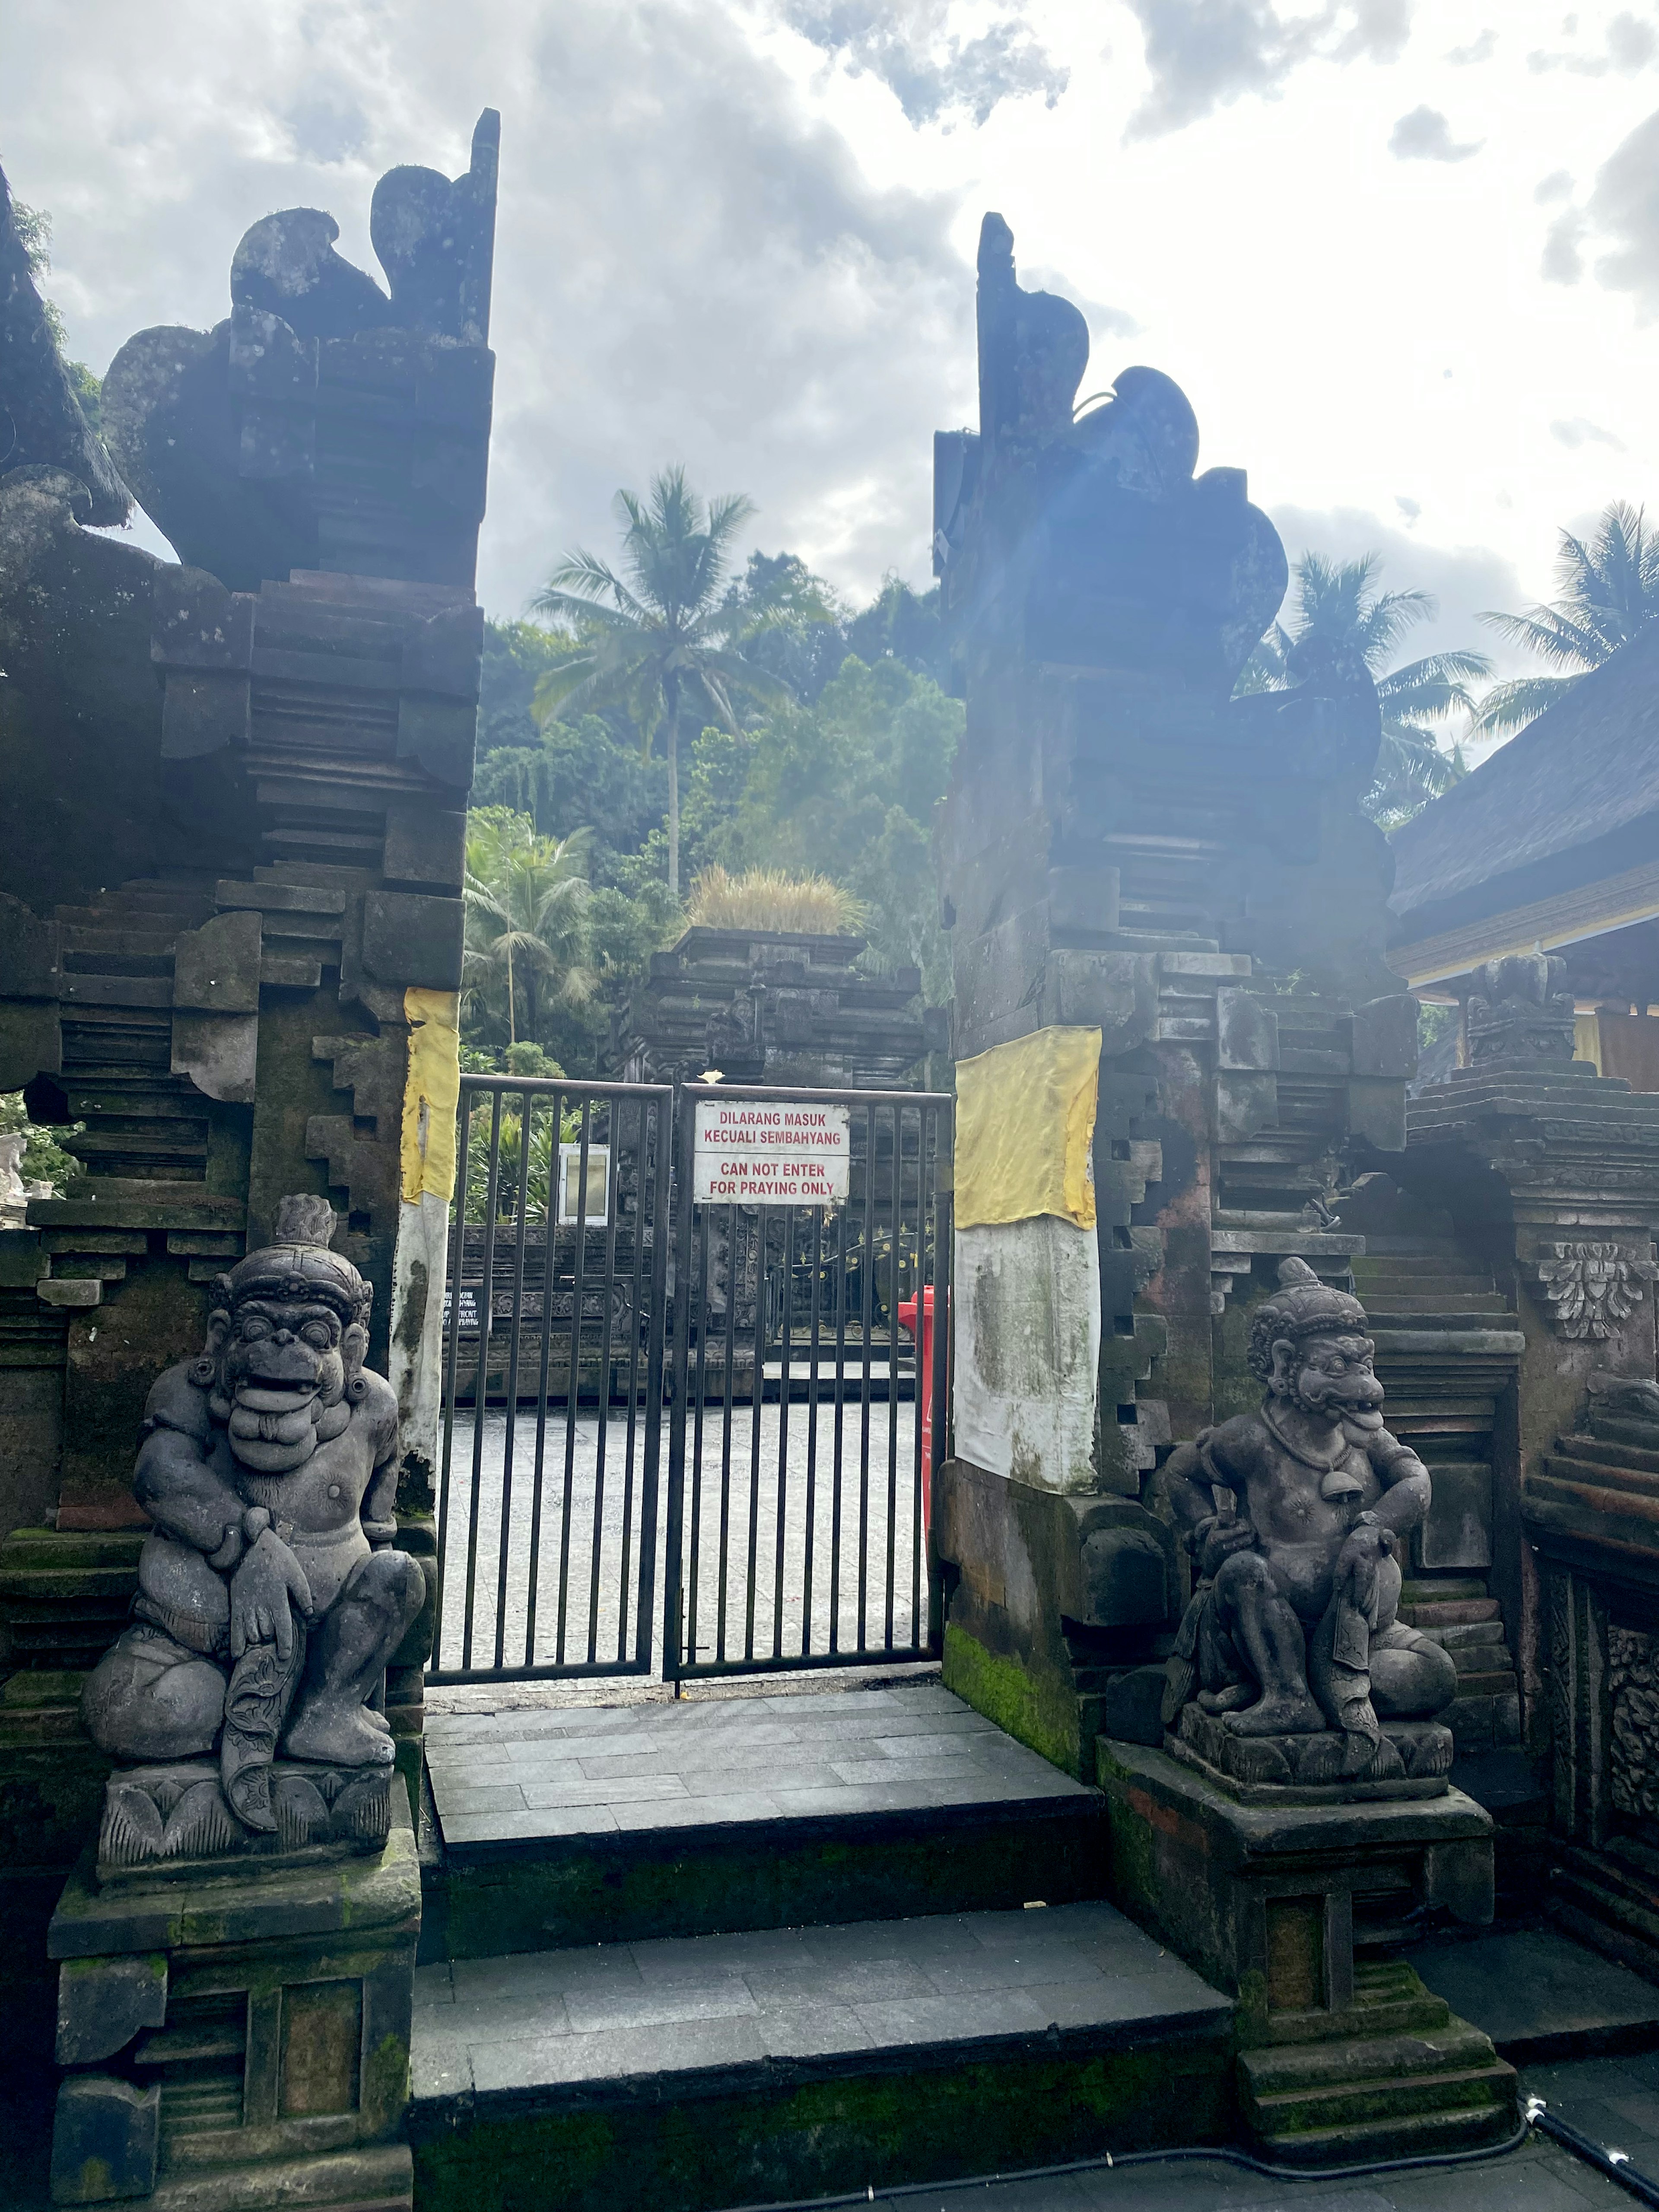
[[907, 1314]]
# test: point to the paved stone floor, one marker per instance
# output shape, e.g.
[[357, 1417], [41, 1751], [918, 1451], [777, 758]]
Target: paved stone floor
[[1531, 1989], [587, 1770], [646, 2011]]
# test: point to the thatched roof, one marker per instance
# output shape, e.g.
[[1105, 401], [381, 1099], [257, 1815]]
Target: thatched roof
[[1583, 775]]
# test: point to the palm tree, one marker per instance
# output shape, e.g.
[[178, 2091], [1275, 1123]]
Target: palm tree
[[526, 914], [1343, 629], [1609, 589], [669, 639]]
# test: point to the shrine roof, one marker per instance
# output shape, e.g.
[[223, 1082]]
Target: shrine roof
[[1568, 801]]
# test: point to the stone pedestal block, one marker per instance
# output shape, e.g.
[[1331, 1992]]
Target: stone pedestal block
[[1295, 1909], [239, 2037]]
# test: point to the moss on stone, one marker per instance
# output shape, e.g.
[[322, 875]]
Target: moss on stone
[[875, 2130], [1041, 1713]]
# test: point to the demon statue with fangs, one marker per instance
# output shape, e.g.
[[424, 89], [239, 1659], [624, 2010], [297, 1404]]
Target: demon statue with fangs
[[271, 1596], [1293, 1516]]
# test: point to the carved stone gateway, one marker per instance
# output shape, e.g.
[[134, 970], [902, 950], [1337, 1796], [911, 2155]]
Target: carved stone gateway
[[1142, 871], [230, 942]]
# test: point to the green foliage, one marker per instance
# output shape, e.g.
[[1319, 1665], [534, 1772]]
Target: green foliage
[[667, 637], [44, 1159], [33, 228], [526, 902], [1609, 589], [567, 774], [1342, 629]]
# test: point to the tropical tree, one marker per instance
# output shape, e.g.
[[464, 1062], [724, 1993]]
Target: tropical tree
[[666, 640], [1341, 628], [1609, 589], [526, 914]]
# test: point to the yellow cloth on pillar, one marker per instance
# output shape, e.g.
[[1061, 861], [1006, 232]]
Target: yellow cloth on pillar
[[431, 1095], [1025, 1127]]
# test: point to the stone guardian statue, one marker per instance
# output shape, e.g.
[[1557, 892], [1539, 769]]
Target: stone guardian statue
[[270, 1597], [1294, 1517]]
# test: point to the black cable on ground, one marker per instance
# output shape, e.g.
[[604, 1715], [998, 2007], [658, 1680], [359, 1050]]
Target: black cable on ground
[[1614, 2163], [1210, 2153]]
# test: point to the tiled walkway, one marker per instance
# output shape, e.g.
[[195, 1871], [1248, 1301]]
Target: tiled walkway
[[642, 2012], [591, 1770]]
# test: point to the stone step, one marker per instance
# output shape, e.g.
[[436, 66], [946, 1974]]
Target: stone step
[[1492, 1682], [1469, 1635], [795, 2063], [1417, 1591], [1419, 2134], [1454, 1613], [1449, 1308], [1541, 1996], [585, 1824]]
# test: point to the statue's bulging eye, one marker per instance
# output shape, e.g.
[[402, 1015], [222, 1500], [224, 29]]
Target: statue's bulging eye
[[252, 1327], [318, 1333]]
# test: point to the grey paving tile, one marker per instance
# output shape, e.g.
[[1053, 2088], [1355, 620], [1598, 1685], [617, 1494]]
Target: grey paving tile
[[459, 1798], [673, 2048], [693, 1811], [595, 2009], [860, 1771], [492, 2020], [528, 1826], [899, 1744], [549, 1973], [576, 1789], [439, 2065], [846, 1981], [1011, 1969], [949, 2020], [948, 1935], [742, 1775], [432, 1984], [850, 1797], [1548, 2181], [811, 2031], [695, 1958], [1091, 1923]]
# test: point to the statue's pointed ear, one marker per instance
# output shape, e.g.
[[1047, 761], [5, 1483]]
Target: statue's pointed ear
[[205, 1370], [353, 1349], [1283, 1366]]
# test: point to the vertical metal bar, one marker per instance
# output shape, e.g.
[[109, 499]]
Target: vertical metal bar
[[784, 1386], [866, 1323], [679, 1132], [641, 1185], [811, 1430], [520, 1200], [549, 1284], [841, 1392], [943, 1333], [481, 1387], [725, 1427], [457, 1279], [757, 1406], [705, 1241], [918, 1529], [573, 1392], [653, 1377], [893, 1370], [613, 1118]]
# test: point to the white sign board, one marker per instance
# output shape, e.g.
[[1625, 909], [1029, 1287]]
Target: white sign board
[[769, 1152]]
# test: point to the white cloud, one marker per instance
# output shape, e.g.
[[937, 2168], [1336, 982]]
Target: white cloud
[[932, 69], [1205, 54], [1578, 432], [1425, 135]]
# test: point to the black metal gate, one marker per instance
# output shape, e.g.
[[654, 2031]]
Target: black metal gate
[[799, 1468], [553, 1381], [798, 1485]]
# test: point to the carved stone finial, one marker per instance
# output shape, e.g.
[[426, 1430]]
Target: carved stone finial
[[1519, 1016]]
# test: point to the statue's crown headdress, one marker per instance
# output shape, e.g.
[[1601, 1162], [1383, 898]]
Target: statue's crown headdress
[[1304, 1307], [297, 1262]]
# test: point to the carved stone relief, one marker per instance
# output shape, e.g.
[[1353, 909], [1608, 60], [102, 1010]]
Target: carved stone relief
[[1590, 1288], [1633, 1688]]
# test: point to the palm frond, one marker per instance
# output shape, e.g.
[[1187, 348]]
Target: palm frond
[[1509, 707]]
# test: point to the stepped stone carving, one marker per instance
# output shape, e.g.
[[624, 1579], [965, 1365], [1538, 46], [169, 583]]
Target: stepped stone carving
[[1518, 1015], [271, 1596], [1294, 1517]]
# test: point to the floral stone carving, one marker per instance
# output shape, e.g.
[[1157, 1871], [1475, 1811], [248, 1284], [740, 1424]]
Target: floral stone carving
[[271, 1596], [1293, 1516], [1590, 1288], [1633, 1687]]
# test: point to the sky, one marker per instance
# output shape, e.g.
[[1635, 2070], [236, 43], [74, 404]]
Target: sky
[[1403, 255]]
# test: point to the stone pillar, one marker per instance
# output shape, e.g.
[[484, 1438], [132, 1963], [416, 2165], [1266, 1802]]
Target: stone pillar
[[1127, 847]]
